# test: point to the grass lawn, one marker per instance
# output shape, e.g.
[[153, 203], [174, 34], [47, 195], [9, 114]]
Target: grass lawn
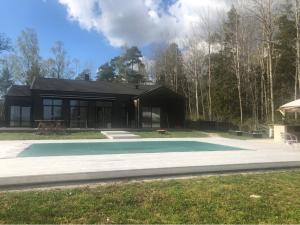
[[65, 135], [171, 134], [218, 199]]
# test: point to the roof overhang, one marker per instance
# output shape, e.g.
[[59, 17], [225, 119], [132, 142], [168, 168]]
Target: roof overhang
[[83, 97], [290, 107], [157, 91]]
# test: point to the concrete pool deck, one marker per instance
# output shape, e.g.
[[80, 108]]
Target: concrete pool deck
[[260, 154]]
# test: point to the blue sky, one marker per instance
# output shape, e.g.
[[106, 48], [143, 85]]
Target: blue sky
[[49, 20], [93, 31]]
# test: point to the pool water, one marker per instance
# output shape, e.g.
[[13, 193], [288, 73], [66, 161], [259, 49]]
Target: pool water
[[103, 148]]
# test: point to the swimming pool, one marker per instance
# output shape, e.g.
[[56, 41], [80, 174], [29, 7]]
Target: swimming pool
[[104, 148]]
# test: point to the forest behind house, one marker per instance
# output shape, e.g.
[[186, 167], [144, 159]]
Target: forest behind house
[[238, 68]]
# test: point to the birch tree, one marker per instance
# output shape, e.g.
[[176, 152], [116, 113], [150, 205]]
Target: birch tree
[[264, 12], [206, 26], [194, 64], [297, 24]]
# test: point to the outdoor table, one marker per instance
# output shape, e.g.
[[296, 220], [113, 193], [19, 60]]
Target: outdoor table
[[44, 124]]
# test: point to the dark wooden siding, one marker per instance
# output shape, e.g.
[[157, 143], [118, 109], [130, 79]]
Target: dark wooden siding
[[123, 114], [172, 107], [25, 101]]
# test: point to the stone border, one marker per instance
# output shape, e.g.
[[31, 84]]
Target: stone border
[[80, 178]]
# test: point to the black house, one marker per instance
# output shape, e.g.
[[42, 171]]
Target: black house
[[93, 104]]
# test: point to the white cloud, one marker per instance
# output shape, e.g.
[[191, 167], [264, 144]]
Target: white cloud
[[141, 22]]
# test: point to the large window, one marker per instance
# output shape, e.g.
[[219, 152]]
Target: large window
[[151, 117], [155, 117], [103, 114], [52, 109], [20, 116], [78, 113]]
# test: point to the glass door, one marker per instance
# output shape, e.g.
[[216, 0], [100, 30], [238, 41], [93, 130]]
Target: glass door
[[20, 116], [155, 117], [104, 117], [151, 117], [78, 114], [25, 116]]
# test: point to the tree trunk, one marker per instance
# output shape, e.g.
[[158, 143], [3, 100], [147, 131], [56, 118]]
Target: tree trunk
[[202, 102], [297, 77], [237, 69], [271, 81], [209, 80], [270, 51], [196, 89]]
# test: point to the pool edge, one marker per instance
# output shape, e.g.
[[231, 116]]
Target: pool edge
[[17, 182]]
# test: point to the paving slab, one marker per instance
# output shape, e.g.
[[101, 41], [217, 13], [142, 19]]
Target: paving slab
[[119, 135], [88, 177], [258, 155]]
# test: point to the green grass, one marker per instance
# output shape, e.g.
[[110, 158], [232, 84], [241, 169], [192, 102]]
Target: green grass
[[64, 135], [171, 134], [27, 135], [219, 199]]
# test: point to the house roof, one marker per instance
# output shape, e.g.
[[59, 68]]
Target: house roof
[[19, 90], [52, 84], [82, 86]]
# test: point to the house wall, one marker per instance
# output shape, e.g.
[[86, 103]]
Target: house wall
[[172, 107], [123, 114], [25, 101], [121, 106]]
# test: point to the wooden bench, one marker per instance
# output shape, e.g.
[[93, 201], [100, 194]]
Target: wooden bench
[[45, 126], [255, 134], [161, 131], [236, 132]]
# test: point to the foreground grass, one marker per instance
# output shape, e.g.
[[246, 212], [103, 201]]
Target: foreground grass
[[64, 135], [171, 134], [224, 199]]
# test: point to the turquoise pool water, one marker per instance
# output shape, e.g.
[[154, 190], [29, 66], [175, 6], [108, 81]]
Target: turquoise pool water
[[103, 148]]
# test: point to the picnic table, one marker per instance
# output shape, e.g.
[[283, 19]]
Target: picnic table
[[161, 131], [236, 132], [50, 125]]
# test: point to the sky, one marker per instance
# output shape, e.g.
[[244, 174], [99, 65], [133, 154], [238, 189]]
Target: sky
[[94, 31]]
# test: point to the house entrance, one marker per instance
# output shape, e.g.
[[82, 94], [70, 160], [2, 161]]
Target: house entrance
[[103, 117]]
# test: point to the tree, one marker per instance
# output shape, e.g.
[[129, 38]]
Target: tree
[[120, 70], [264, 12], [29, 54], [127, 67], [194, 67], [169, 68], [47, 68], [134, 65], [207, 29], [232, 43], [106, 72], [132, 57], [60, 63], [14, 64], [5, 80], [297, 25], [285, 48], [5, 43], [83, 74], [76, 65]]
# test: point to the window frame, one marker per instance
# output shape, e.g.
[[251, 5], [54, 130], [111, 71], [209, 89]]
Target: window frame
[[147, 122], [21, 122], [80, 104], [52, 105]]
